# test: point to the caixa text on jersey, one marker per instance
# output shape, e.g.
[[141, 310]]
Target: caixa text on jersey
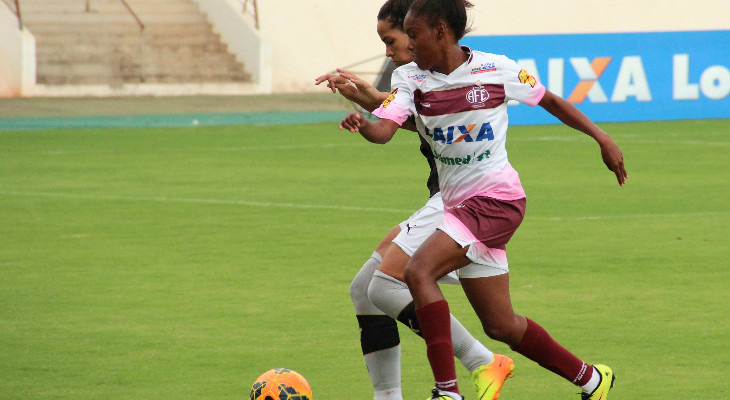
[[461, 133]]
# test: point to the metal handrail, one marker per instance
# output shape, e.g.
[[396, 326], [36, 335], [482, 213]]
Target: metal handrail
[[254, 12], [141, 34], [141, 43], [17, 13]]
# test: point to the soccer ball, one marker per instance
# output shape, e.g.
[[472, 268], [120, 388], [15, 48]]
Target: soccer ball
[[280, 384]]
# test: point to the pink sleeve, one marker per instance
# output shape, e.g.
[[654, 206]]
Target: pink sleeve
[[399, 104], [393, 112]]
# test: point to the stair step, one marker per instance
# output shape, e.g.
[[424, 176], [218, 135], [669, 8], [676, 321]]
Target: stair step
[[101, 19], [189, 33], [103, 46], [134, 77], [133, 47]]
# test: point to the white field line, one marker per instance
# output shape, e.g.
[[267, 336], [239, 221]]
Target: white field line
[[631, 216], [221, 149], [290, 146], [164, 199], [576, 138]]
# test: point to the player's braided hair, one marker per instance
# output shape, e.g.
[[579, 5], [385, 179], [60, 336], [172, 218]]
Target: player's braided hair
[[451, 11]]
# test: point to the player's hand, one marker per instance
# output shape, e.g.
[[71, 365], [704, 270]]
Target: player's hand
[[350, 76], [367, 93], [614, 160], [333, 81], [337, 82], [352, 122]]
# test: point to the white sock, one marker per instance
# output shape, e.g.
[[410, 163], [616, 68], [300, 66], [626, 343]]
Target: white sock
[[474, 356], [390, 394], [384, 370], [593, 382], [359, 287], [383, 365]]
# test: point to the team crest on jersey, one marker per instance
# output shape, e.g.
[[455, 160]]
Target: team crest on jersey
[[390, 98], [486, 67], [477, 96], [418, 78], [525, 77]]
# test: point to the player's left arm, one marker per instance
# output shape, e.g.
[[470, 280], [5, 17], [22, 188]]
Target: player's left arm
[[380, 131], [570, 115]]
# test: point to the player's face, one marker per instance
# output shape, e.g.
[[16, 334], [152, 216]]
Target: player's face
[[422, 41], [396, 43]]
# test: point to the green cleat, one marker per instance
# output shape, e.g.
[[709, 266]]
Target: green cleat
[[601, 392], [488, 379]]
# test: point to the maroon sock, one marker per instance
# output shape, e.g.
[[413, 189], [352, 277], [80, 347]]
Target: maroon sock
[[538, 346], [435, 322]]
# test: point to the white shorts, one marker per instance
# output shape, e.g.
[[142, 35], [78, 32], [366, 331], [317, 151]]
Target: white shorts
[[419, 226]]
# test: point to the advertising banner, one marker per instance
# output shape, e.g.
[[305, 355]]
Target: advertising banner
[[618, 77]]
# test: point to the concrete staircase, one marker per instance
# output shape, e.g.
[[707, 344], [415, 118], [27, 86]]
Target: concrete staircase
[[104, 46]]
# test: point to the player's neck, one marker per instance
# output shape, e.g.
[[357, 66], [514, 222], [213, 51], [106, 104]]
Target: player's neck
[[452, 58]]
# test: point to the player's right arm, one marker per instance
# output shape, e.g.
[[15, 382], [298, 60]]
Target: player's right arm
[[393, 112]]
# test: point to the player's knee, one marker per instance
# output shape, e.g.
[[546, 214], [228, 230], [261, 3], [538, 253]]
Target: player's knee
[[417, 273], [376, 292], [501, 332], [377, 332], [359, 289], [411, 276], [495, 332]]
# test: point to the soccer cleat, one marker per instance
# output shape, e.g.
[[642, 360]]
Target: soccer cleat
[[443, 395], [488, 379], [601, 392]]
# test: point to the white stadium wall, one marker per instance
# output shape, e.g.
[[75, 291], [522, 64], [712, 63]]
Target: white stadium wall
[[301, 39], [17, 57], [311, 37], [249, 45]]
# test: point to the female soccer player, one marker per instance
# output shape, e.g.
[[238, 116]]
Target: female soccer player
[[380, 297], [461, 97]]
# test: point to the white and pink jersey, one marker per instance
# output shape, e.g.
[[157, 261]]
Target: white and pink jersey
[[464, 115]]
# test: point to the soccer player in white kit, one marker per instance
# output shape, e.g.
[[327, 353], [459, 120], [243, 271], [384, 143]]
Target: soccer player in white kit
[[380, 296], [461, 97]]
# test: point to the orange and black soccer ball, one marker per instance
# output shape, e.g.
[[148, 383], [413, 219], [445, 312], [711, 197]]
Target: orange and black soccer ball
[[280, 384]]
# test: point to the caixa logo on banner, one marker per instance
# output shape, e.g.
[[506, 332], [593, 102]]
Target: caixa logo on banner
[[624, 76], [632, 79]]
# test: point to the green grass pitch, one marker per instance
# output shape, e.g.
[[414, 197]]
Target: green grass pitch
[[181, 263]]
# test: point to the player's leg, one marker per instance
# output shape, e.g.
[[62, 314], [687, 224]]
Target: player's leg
[[393, 297], [456, 244], [436, 257], [379, 337], [491, 300], [390, 294], [486, 284]]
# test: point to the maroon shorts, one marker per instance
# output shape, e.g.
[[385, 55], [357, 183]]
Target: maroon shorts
[[491, 221]]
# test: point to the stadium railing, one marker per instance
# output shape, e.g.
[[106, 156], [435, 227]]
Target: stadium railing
[[16, 3], [141, 34], [250, 7]]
